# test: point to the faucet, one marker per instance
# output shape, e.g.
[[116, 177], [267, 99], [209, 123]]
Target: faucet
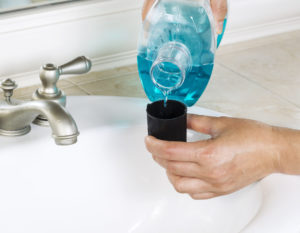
[[49, 76], [46, 108]]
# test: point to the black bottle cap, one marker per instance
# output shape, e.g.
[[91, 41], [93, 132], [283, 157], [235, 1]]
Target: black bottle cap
[[167, 123]]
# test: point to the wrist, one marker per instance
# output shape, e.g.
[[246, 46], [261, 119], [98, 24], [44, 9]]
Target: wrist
[[287, 156]]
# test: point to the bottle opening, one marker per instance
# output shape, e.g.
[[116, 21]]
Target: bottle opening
[[168, 71], [167, 75]]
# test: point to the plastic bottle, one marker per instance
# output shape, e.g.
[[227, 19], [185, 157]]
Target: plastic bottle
[[177, 49]]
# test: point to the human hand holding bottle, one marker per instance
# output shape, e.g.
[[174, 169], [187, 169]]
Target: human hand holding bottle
[[219, 9]]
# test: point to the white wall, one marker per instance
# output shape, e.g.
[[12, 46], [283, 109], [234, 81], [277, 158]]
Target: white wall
[[98, 29], [107, 31], [251, 19]]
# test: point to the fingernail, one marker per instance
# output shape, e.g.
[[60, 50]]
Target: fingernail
[[220, 27]]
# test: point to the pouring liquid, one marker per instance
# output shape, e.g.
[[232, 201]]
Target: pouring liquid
[[166, 95]]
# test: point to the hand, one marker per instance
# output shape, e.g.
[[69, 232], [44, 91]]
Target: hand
[[239, 153], [219, 9]]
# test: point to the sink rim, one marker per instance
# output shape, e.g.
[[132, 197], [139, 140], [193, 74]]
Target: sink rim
[[141, 103]]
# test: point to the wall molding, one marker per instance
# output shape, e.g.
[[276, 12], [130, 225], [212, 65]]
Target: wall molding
[[115, 60]]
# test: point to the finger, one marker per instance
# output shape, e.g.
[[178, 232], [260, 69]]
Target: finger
[[206, 124], [146, 7], [219, 9], [189, 185], [203, 196], [185, 169], [177, 151]]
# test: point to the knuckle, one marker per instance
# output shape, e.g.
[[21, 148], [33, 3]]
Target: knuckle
[[218, 175], [171, 167], [179, 186], [224, 187], [168, 151], [203, 155], [209, 151]]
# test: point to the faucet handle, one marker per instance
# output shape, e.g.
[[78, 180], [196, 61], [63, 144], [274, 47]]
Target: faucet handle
[[50, 73], [79, 65], [8, 87]]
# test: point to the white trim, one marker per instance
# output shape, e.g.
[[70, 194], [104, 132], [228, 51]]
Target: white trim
[[25, 79], [115, 60]]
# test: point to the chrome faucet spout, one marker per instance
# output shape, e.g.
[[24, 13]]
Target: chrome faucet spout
[[16, 119]]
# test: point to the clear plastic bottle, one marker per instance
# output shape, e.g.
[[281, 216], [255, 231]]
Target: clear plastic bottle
[[176, 50]]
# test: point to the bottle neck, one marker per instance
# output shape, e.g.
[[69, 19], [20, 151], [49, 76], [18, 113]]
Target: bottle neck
[[169, 70]]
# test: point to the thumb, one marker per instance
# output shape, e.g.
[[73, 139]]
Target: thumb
[[219, 9], [205, 124]]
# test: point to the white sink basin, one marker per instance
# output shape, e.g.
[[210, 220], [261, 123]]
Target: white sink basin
[[107, 182]]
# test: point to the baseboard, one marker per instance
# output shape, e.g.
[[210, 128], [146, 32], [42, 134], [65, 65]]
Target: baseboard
[[114, 61]]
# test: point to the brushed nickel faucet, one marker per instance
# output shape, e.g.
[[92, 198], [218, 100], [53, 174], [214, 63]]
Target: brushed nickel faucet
[[47, 106], [49, 75]]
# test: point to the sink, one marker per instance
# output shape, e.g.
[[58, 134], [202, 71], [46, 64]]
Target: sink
[[107, 182]]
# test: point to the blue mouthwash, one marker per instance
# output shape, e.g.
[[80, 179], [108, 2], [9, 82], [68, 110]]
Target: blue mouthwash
[[177, 49]]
